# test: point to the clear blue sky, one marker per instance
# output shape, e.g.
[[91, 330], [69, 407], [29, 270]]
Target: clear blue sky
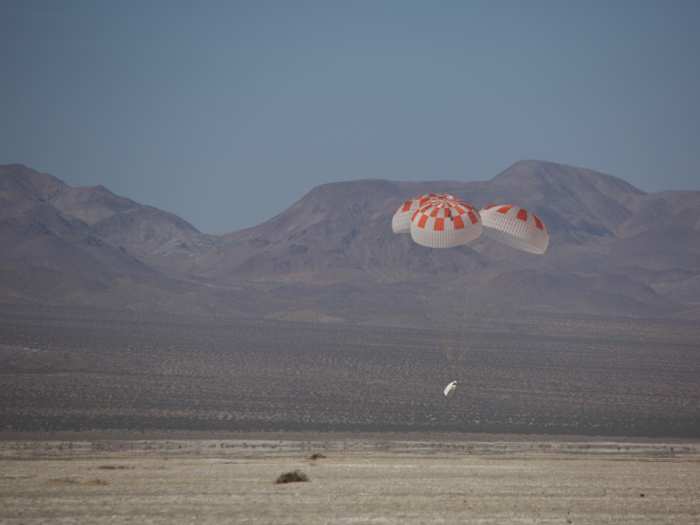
[[226, 113]]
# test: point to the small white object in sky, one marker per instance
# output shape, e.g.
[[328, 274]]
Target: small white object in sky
[[451, 389]]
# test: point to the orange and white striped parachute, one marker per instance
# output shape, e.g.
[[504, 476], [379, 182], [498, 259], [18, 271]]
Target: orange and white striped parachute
[[445, 222], [401, 222], [515, 227]]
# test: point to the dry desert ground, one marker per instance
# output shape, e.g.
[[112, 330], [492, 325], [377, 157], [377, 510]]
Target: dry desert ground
[[355, 482]]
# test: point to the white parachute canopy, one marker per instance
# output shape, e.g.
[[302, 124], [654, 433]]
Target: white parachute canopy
[[451, 389], [445, 223], [401, 222], [515, 227]]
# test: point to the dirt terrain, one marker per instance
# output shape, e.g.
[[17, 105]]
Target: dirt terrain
[[354, 482], [521, 375]]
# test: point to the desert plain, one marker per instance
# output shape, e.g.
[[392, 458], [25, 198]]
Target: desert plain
[[234, 481], [560, 419]]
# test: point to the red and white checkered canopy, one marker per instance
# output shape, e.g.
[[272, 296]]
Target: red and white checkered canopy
[[515, 227], [401, 222], [444, 223], [438, 220]]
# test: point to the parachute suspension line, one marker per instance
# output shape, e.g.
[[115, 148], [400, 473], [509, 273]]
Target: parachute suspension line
[[462, 349], [466, 349], [435, 317], [465, 345], [464, 319], [454, 333], [449, 353]]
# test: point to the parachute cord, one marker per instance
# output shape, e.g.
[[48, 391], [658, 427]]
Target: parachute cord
[[465, 351], [468, 348]]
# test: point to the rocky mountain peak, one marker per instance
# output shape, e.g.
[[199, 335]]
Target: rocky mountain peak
[[608, 240]]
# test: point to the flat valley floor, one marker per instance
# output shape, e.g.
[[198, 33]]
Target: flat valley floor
[[233, 481], [74, 371]]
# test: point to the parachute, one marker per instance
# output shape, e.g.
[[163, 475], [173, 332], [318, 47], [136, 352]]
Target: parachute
[[439, 220], [401, 222], [445, 223], [515, 227]]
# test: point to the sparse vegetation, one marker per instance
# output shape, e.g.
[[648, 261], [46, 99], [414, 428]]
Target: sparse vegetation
[[70, 481], [95, 482], [317, 455], [567, 375], [61, 480], [510, 487], [291, 477]]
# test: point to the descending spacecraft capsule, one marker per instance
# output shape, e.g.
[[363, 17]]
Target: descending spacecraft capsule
[[451, 388]]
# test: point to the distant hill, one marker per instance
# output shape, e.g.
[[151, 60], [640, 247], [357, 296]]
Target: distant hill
[[332, 256], [89, 247]]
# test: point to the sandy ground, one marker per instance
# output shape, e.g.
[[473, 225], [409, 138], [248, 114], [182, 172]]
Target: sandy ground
[[231, 481]]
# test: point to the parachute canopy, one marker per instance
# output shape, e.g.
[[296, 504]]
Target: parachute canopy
[[439, 220], [515, 227], [401, 223], [445, 223]]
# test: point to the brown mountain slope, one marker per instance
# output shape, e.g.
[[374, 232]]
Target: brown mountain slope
[[337, 233], [332, 256], [341, 233], [347, 226], [580, 196], [680, 208], [142, 230], [36, 234], [50, 256]]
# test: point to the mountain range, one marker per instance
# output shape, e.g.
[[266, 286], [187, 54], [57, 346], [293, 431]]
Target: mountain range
[[332, 256]]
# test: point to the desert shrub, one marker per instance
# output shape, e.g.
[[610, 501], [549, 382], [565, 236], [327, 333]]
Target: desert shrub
[[292, 477], [96, 482], [317, 455]]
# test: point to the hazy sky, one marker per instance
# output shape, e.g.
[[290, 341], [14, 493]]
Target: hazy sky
[[226, 113]]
